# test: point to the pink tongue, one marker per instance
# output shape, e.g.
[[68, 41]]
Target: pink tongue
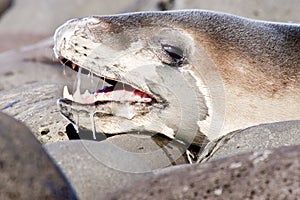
[[124, 94], [119, 92]]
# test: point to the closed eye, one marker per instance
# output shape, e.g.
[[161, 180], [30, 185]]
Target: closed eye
[[175, 53]]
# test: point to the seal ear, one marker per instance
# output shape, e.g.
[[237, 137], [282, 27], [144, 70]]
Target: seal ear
[[175, 53]]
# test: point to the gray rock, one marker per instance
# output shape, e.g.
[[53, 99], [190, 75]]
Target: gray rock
[[89, 166], [254, 138], [266, 174], [35, 105], [37, 63], [27, 172], [156, 151], [97, 168], [32, 64]]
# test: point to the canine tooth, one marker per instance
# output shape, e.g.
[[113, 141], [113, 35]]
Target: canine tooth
[[77, 95], [66, 93]]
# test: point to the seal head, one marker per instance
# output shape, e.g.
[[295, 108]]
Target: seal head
[[153, 87]]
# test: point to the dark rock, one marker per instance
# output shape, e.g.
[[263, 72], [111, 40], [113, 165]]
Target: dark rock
[[27, 172], [266, 174], [254, 138]]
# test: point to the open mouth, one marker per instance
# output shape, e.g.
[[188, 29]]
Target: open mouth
[[116, 92]]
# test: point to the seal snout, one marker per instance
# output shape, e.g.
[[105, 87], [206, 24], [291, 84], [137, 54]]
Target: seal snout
[[85, 28], [63, 34]]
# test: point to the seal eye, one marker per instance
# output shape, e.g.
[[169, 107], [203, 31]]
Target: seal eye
[[175, 53]]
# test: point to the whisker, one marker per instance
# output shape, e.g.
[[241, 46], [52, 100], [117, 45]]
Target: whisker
[[64, 67], [104, 80]]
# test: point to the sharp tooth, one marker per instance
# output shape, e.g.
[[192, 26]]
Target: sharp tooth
[[66, 93], [87, 92], [87, 97], [74, 65], [77, 96]]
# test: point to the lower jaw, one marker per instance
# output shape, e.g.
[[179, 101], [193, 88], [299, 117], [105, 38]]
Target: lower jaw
[[113, 115], [126, 110]]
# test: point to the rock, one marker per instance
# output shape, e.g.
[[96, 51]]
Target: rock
[[96, 168], [35, 105], [37, 63], [32, 64], [158, 152], [254, 138], [27, 172], [89, 166], [266, 174]]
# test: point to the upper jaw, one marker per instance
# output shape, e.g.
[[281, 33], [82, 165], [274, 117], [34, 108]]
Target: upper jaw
[[119, 91], [70, 36]]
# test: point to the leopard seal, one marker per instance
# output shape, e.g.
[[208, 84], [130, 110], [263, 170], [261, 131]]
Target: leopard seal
[[192, 75]]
